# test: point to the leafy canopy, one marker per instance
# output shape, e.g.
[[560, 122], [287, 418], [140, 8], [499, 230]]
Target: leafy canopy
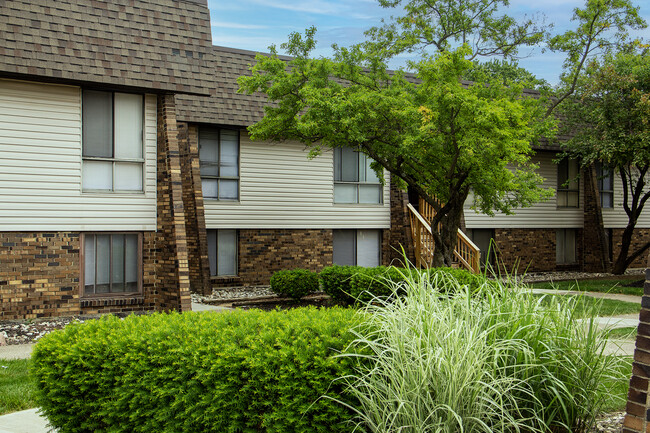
[[445, 24], [439, 135]]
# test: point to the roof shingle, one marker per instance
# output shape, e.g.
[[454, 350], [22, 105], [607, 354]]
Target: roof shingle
[[150, 44]]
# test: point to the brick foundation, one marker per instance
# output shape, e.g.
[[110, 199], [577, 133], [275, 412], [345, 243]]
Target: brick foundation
[[641, 237], [39, 277], [400, 227], [531, 250]]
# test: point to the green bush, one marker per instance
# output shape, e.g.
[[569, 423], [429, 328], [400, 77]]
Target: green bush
[[241, 371], [294, 283], [369, 283], [335, 281], [461, 276]]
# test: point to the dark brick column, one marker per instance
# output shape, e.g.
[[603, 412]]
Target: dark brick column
[[638, 407], [172, 270], [400, 226], [595, 246], [197, 240]]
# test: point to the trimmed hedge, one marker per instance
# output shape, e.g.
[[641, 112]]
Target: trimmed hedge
[[358, 284], [336, 281], [294, 283], [231, 372]]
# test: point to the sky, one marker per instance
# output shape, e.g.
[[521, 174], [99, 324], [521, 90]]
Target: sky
[[256, 24]]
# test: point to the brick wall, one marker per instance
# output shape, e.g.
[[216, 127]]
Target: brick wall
[[197, 242], [637, 409], [596, 247], [641, 237], [263, 252], [531, 250], [172, 271], [400, 227], [39, 277]]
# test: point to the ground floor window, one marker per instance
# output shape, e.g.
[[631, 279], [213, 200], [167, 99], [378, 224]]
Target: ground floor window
[[357, 247], [483, 239], [222, 252], [565, 246], [111, 263]]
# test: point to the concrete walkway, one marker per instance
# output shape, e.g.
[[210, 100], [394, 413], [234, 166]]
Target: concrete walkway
[[29, 421]]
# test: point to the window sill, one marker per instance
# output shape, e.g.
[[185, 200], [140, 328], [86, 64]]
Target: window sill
[[111, 301]]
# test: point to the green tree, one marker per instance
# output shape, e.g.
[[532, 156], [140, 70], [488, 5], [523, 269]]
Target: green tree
[[443, 24], [614, 102], [601, 27], [442, 138], [506, 72]]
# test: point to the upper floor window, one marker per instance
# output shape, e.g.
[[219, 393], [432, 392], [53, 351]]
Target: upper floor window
[[219, 160], [605, 185], [112, 141], [567, 183], [354, 180]]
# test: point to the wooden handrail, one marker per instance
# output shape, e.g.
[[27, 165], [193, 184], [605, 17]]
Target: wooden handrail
[[466, 252]]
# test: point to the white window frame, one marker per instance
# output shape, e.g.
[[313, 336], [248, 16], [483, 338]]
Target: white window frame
[[218, 178], [359, 183], [355, 236], [571, 185], [603, 172], [214, 253], [561, 256], [84, 258], [113, 160]]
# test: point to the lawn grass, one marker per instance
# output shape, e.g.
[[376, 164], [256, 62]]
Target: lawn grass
[[617, 398], [585, 305], [626, 333], [596, 285], [16, 386]]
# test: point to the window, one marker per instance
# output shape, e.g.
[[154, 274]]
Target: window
[[222, 252], [565, 246], [357, 247], [354, 180], [567, 183], [112, 143], [219, 159], [111, 263], [605, 185], [484, 239]]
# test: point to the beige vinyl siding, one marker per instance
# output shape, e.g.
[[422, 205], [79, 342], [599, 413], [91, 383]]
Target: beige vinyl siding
[[615, 217], [40, 165], [541, 215], [280, 188]]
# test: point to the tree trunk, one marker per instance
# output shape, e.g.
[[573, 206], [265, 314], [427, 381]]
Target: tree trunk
[[621, 262], [445, 241]]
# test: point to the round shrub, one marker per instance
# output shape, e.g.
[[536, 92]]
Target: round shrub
[[241, 371], [335, 281], [294, 283]]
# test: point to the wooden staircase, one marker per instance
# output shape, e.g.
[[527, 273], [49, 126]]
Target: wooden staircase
[[467, 254]]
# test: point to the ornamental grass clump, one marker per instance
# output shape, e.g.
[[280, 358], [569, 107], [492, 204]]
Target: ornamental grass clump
[[491, 359]]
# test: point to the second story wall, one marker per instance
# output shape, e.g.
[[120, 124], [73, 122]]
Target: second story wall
[[41, 165], [546, 214], [280, 188]]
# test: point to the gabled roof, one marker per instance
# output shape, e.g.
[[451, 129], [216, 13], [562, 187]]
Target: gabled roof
[[160, 45], [225, 106]]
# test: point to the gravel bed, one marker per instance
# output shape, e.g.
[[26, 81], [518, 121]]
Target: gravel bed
[[609, 423], [29, 331], [229, 294], [534, 277]]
